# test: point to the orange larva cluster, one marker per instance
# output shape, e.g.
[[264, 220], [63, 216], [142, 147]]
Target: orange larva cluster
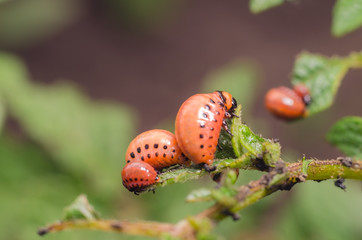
[[197, 129], [286, 103]]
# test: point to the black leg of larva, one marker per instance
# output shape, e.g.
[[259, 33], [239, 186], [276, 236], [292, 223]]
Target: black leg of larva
[[234, 216], [226, 128], [234, 115], [209, 168]]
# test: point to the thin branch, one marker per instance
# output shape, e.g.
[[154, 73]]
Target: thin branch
[[282, 177]]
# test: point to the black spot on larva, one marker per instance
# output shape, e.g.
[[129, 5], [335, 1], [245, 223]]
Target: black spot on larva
[[210, 146], [173, 150], [130, 179], [135, 179], [202, 125], [165, 147], [141, 179], [201, 146], [207, 107], [147, 146], [201, 135], [214, 120], [204, 115], [212, 101], [212, 128], [211, 137], [182, 154], [155, 145], [156, 154], [132, 155], [172, 156], [139, 150], [217, 112], [203, 155], [142, 158], [164, 155], [128, 161], [149, 155]]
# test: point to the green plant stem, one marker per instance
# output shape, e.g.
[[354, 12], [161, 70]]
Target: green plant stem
[[282, 177], [355, 60]]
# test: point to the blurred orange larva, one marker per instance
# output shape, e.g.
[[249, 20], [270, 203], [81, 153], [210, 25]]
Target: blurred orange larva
[[285, 103]]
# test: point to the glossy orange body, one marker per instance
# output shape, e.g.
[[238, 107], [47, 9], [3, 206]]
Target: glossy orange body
[[158, 148], [302, 91], [198, 125], [284, 103], [137, 175]]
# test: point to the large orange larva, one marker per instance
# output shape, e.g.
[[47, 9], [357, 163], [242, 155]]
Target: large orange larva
[[198, 125]]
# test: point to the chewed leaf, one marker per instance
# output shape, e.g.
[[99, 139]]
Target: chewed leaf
[[347, 17], [322, 76], [346, 134], [244, 140], [257, 6], [80, 209]]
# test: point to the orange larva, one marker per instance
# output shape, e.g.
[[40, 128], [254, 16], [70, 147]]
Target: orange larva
[[285, 103], [137, 175], [198, 125], [156, 147]]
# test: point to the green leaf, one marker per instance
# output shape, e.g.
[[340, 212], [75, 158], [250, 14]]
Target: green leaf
[[257, 6], [347, 17], [244, 140], [87, 138], [80, 209], [346, 134], [322, 76]]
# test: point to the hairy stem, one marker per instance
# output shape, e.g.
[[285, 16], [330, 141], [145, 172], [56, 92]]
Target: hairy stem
[[282, 177]]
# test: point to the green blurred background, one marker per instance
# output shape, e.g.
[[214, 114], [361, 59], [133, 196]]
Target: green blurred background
[[80, 78]]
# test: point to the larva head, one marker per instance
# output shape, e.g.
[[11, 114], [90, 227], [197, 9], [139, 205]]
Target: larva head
[[228, 100], [137, 175], [302, 91]]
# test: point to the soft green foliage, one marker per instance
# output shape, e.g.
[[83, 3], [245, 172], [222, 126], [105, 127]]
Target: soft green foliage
[[199, 195], [244, 140], [346, 134], [28, 21], [84, 137], [322, 211], [77, 146], [80, 209], [257, 6], [322, 76], [2, 115], [347, 16]]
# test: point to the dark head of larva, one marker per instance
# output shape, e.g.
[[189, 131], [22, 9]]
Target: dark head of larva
[[228, 100]]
